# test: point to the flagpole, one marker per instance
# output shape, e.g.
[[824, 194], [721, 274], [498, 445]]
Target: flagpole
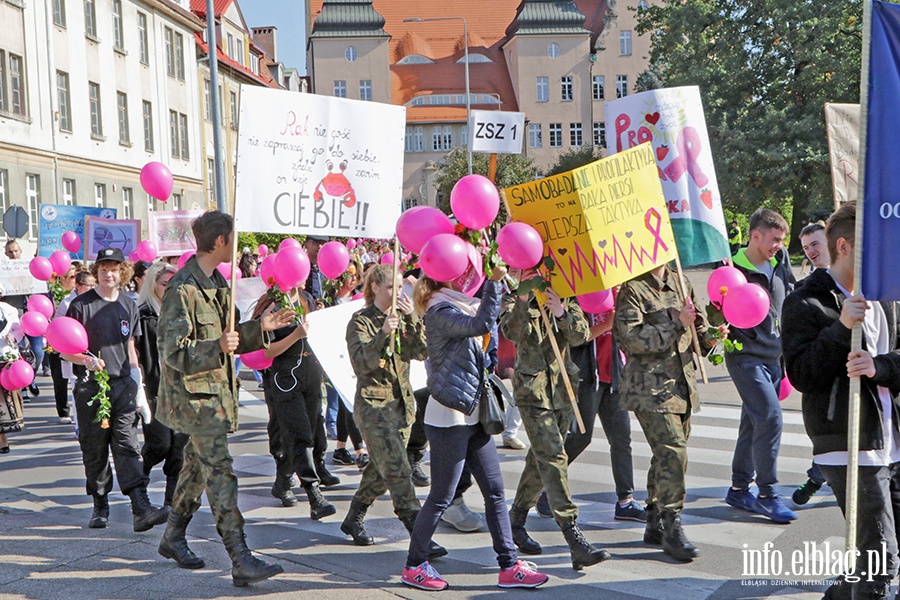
[[851, 501]]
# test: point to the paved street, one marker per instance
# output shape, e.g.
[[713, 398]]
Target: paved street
[[47, 551]]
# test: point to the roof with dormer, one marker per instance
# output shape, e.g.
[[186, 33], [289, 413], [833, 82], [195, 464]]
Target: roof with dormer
[[547, 17], [348, 18]]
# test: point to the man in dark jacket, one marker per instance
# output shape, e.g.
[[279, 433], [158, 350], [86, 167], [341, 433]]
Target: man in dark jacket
[[757, 372], [818, 320]]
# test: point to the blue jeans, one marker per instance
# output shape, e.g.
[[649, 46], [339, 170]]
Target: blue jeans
[[331, 406], [37, 346], [451, 448], [759, 435]]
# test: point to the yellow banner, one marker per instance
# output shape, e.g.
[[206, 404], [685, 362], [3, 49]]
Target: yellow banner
[[602, 224]]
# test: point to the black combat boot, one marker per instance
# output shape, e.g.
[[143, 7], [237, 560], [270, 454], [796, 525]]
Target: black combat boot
[[653, 532], [326, 479], [354, 524], [171, 483], [435, 550], [281, 489], [174, 543], [246, 568], [318, 506], [674, 542], [145, 514], [418, 476], [100, 516], [583, 553], [524, 542]]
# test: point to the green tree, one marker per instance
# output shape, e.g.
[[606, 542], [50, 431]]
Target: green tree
[[512, 169], [765, 69], [574, 158]]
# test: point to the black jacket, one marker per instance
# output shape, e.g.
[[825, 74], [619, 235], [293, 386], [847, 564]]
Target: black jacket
[[148, 350], [816, 345]]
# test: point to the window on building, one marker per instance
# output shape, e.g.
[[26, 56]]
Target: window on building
[[64, 107], [621, 86], [207, 104], [408, 140], [643, 5], [127, 196], [151, 203], [173, 134], [33, 199], [410, 203], [230, 47], [340, 88], [625, 43], [415, 59], [176, 201], [169, 38], [239, 48], [575, 135], [59, 12], [100, 195], [211, 179], [4, 93], [565, 88], [254, 63], [4, 202], [122, 106], [179, 56], [553, 50], [556, 135], [69, 192], [233, 104], [185, 146], [534, 135], [464, 136], [365, 89], [543, 89], [90, 19], [474, 58], [221, 106], [118, 30], [147, 110], [599, 93], [12, 98], [351, 54], [600, 135], [418, 139], [142, 36], [441, 138], [96, 114]]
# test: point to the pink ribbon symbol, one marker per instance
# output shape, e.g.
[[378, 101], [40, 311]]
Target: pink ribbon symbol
[[653, 221]]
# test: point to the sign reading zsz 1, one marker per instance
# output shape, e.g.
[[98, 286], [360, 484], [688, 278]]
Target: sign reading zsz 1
[[496, 132]]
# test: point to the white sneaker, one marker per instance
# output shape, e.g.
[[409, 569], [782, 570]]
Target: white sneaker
[[514, 443], [66, 420], [461, 517]]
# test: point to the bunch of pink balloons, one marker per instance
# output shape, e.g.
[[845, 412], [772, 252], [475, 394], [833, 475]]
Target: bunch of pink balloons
[[597, 302], [256, 360], [475, 201], [291, 267], [156, 179], [746, 306], [334, 258], [420, 224], [722, 281], [147, 251], [445, 257], [71, 242], [16, 375], [66, 335], [520, 245], [40, 268], [40, 304]]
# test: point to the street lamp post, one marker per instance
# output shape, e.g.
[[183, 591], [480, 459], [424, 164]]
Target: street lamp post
[[466, 51]]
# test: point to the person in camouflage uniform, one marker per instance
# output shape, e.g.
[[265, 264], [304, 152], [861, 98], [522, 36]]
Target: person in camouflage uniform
[[384, 408], [653, 328], [547, 413], [197, 395]]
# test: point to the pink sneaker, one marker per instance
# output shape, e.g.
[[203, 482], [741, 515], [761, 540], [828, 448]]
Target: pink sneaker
[[523, 574], [425, 578]]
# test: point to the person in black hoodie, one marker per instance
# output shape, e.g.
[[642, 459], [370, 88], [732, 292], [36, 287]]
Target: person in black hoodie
[[818, 318], [757, 372]]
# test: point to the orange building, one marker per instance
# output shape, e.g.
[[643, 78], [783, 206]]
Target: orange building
[[557, 62]]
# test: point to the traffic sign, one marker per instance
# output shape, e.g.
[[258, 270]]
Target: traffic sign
[[15, 222], [496, 132]]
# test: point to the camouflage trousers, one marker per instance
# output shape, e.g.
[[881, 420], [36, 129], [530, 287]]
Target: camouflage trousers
[[546, 464], [388, 468], [208, 467], [667, 434]]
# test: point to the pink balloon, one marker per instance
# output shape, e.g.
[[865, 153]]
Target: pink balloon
[[475, 201], [71, 241], [419, 224], [262, 250], [147, 251], [256, 360], [289, 243], [134, 257], [387, 258], [19, 374], [156, 179], [520, 245], [225, 270], [786, 388], [746, 306], [351, 244], [357, 296], [4, 380], [34, 323], [292, 268], [41, 268], [185, 257], [723, 277], [597, 302], [445, 257], [60, 261], [267, 269], [334, 258], [67, 335], [42, 304]]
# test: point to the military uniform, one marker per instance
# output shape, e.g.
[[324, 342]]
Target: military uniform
[[384, 408], [543, 401], [197, 392]]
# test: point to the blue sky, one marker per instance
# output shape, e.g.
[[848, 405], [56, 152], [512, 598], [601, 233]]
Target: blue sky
[[289, 17]]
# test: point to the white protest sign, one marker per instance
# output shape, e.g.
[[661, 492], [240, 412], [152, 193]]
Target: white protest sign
[[247, 292], [496, 132], [311, 164], [327, 338], [842, 123], [16, 279]]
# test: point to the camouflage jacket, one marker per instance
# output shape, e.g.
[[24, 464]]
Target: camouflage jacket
[[383, 392], [196, 389], [537, 375], [659, 368]]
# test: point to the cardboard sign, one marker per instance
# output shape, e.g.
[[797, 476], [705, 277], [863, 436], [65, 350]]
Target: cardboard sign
[[311, 164], [171, 231], [496, 132], [842, 124], [17, 280], [56, 219], [602, 224], [102, 233]]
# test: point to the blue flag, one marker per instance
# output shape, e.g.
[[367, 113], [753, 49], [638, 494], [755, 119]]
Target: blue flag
[[881, 206]]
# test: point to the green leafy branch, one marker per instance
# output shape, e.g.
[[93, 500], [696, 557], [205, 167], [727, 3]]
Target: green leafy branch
[[104, 410], [282, 300], [723, 345], [58, 292]]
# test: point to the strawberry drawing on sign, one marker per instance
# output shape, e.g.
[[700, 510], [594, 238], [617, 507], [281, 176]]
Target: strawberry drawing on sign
[[336, 185], [706, 197]]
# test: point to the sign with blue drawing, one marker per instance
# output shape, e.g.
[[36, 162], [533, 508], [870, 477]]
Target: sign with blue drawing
[[56, 219]]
